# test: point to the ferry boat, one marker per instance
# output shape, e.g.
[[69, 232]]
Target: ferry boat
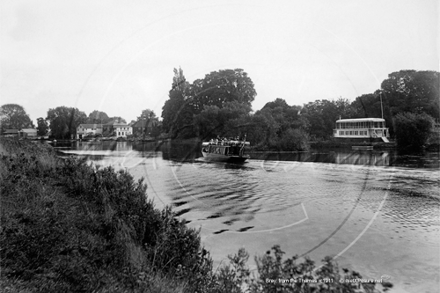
[[225, 150], [363, 128]]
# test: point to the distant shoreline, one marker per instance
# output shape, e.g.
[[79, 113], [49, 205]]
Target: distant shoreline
[[324, 144]]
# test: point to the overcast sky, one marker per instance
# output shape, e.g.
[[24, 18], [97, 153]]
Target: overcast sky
[[118, 56]]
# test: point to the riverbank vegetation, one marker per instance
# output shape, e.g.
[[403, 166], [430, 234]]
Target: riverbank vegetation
[[219, 105], [70, 227], [413, 130]]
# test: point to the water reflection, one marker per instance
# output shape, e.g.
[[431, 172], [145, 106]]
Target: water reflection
[[363, 158], [352, 158], [190, 152], [181, 152]]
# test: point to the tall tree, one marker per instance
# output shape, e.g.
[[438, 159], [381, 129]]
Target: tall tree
[[287, 116], [367, 106], [116, 119], [177, 111], [214, 121], [263, 129], [98, 117], [14, 116], [147, 114], [145, 123], [42, 126], [288, 127], [322, 115], [221, 87], [63, 121], [345, 110], [412, 91]]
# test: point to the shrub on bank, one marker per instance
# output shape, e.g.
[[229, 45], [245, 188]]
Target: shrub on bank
[[277, 275], [293, 140], [67, 226], [290, 140]]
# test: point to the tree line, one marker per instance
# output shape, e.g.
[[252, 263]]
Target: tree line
[[63, 121], [220, 105]]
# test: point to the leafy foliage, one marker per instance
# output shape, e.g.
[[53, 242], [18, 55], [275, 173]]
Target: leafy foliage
[[367, 106], [277, 275], [116, 119], [42, 126], [177, 113], [322, 115], [221, 87], [223, 94], [63, 121], [147, 114], [412, 130], [279, 126], [67, 226], [412, 91], [97, 117], [147, 124], [293, 139], [225, 121], [13, 116], [261, 130]]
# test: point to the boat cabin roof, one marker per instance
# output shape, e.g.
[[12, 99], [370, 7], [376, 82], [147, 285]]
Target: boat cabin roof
[[228, 143], [361, 120]]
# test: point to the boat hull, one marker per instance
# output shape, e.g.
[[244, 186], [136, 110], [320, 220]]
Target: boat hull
[[362, 147], [224, 158]]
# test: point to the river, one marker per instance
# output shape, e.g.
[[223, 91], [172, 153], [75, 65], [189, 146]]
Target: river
[[376, 212]]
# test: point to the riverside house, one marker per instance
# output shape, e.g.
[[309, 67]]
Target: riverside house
[[117, 129], [84, 130], [10, 133], [28, 133]]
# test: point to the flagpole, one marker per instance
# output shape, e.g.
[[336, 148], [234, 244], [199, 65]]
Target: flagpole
[[381, 106]]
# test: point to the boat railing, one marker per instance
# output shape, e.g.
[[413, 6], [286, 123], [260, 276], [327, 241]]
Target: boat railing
[[226, 143]]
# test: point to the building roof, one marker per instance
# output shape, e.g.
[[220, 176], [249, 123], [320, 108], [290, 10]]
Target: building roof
[[361, 120], [10, 131], [142, 123], [116, 123], [28, 130]]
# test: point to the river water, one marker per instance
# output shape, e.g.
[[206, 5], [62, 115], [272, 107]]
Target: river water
[[376, 212]]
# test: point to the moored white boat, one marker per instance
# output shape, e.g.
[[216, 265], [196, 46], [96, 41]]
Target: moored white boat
[[361, 128]]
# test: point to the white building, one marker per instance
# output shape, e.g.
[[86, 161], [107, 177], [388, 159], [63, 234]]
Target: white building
[[84, 130], [117, 129]]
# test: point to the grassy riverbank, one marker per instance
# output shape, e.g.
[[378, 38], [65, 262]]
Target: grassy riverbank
[[68, 227]]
